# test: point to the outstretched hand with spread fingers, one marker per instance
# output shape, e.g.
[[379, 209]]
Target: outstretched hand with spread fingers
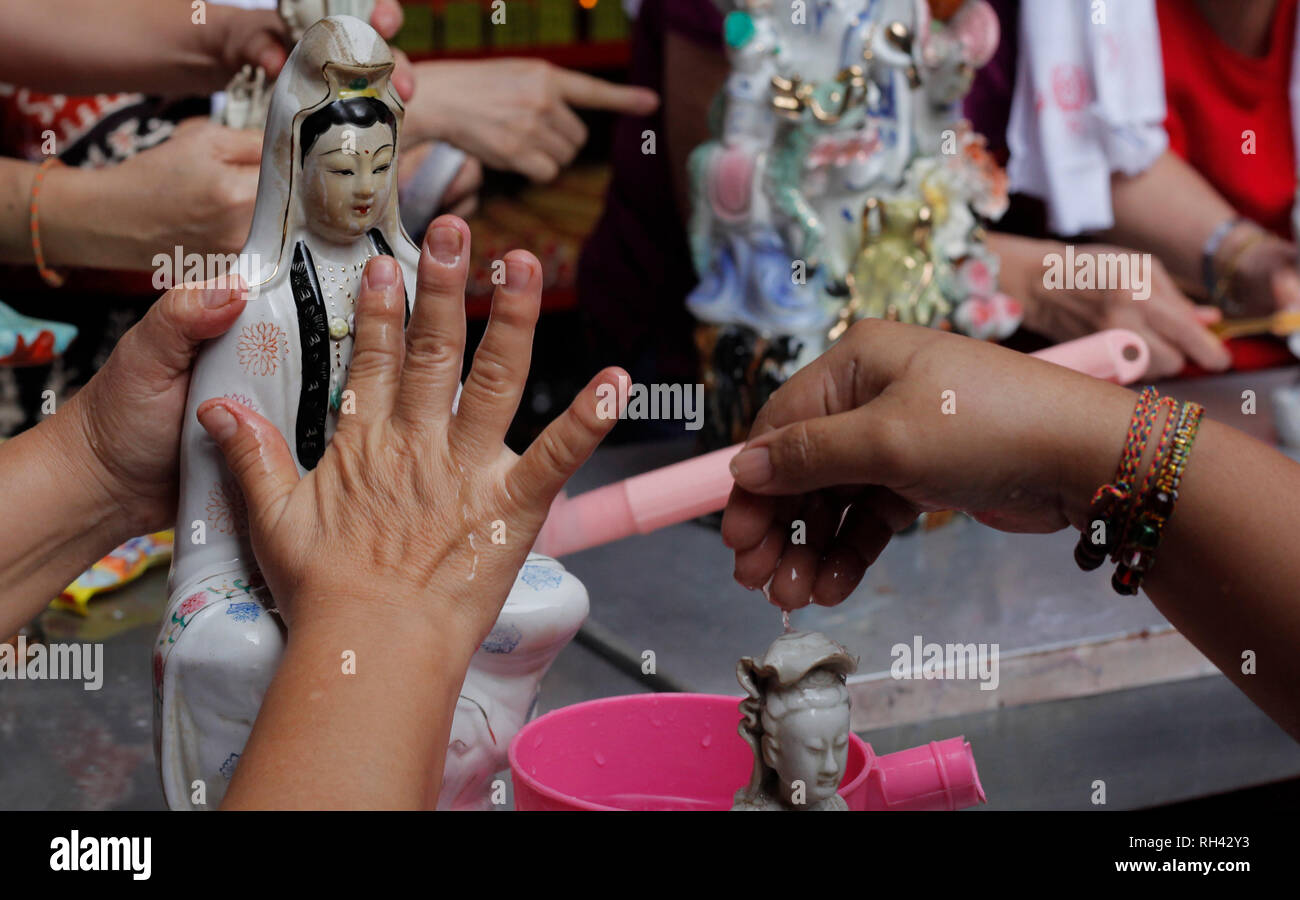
[[414, 509]]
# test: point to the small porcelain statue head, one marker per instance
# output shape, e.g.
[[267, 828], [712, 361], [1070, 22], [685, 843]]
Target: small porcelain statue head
[[796, 719]]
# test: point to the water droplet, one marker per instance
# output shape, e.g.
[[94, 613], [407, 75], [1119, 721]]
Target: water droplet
[[706, 740], [785, 621], [599, 757]]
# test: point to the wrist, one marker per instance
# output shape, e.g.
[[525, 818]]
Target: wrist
[[1091, 442], [58, 519], [1251, 274], [428, 117], [1247, 250], [72, 204], [104, 503], [379, 607]]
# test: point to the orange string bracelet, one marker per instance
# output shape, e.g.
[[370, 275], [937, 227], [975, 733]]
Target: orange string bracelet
[[52, 278]]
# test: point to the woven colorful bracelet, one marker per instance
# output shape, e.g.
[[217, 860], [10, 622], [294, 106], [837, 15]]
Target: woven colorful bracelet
[[1109, 506], [1158, 459], [1137, 554], [52, 278]]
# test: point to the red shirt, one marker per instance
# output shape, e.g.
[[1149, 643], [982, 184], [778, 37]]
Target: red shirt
[[1214, 94]]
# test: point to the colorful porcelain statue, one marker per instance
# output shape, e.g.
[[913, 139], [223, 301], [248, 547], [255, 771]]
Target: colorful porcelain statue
[[796, 720], [806, 135], [326, 203], [842, 184]]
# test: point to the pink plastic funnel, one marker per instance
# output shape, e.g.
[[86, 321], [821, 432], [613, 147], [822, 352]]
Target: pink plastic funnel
[[682, 752]]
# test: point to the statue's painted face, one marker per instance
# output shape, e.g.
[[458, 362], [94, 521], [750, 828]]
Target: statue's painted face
[[812, 747], [348, 179]]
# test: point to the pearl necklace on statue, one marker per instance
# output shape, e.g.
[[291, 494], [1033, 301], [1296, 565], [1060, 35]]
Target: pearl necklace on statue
[[339, 285]]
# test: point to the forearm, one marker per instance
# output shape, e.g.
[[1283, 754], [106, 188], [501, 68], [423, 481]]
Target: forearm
[[426, 117], [57, 519], [89, 46], [358, 716], [16, 177], [1225, 573], [1171, 211], [86, 221]]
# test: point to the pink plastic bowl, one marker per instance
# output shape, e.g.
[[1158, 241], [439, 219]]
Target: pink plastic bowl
[[646, 752]]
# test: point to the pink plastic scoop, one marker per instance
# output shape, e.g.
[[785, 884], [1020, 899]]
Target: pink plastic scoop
[[699, 486], [682, 752]]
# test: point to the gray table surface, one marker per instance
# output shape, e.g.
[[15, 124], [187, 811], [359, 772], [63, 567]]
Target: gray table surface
[[672, 592]]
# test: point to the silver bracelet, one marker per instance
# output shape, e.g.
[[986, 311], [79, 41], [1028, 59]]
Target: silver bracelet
[[1211, 248]]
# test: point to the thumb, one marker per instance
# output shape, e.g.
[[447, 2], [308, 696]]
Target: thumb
[[257, 455], [849, 448], [165, 342]]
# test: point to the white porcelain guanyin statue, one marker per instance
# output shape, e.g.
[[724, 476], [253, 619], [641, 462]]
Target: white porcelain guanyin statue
[[796, 720], [326, 203]]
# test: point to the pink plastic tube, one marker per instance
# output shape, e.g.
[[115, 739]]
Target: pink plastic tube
[[699, 486], [638, 505], [1117, 355]]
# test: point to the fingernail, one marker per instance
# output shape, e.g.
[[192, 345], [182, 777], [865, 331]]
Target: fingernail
[[215, 298], [444, 245], [517, 274], [381, 272], [218, 422], [752, 468]]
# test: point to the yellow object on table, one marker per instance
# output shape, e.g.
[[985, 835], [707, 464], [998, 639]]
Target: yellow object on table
[[1280, 323], [125, 564]]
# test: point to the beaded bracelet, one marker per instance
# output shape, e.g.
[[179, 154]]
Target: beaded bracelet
[[1110, 501], [1138, 548], [52, 278]]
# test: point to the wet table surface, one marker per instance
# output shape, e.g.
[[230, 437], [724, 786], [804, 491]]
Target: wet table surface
[[671, 592]]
